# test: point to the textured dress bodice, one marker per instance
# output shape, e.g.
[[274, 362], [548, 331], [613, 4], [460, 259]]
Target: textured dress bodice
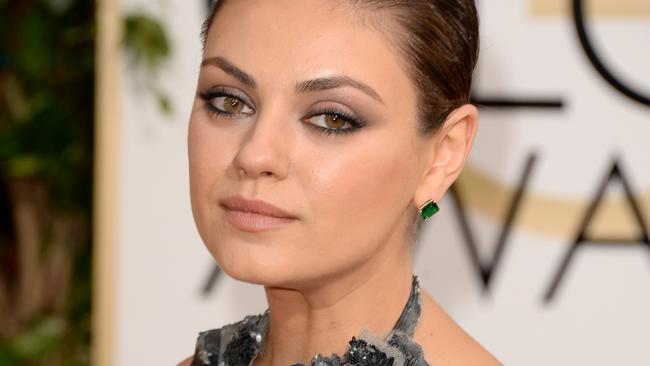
[[239, 343]]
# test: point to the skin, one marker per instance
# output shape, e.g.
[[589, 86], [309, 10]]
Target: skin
[[344, 265]]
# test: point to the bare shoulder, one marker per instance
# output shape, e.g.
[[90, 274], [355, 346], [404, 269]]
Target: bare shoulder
[[186, 362], [444, 342]]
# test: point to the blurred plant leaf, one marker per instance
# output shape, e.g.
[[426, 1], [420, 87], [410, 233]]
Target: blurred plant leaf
[[42, 338], [165, 104], [146, 40], [24, 166]]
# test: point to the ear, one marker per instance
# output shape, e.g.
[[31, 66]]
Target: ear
[[447, 155]]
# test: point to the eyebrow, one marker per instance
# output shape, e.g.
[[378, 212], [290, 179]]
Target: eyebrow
[[231, 69], [336, 81], [317, 84]]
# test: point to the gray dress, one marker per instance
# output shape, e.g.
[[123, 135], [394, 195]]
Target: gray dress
[[239, 343]]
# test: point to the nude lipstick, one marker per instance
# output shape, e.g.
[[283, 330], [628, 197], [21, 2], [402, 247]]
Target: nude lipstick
[[254, 215]]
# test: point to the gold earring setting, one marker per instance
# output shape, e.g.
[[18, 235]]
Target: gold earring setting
[[428, 209]]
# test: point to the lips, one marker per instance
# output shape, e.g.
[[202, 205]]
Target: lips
[[254, 215], [239, 203]]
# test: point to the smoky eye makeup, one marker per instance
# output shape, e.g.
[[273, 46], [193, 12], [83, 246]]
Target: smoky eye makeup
[[327, 117], [226, 102], [331, 119]]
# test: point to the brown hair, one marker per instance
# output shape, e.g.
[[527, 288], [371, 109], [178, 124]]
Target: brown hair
[[439, 40]]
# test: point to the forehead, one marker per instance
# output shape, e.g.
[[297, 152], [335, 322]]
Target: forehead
[[286, 40]]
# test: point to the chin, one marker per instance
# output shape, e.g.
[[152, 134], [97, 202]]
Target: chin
[[291, 260], [284, 267], [265, 266]]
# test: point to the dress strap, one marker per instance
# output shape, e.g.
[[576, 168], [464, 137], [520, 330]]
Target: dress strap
[[408, 320], [239, 343]]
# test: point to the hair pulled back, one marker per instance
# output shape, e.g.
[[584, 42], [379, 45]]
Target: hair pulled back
[[439, 42]]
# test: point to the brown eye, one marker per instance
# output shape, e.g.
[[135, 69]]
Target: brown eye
[[233, 105], [334, 121], [227, 104], [331, 121]]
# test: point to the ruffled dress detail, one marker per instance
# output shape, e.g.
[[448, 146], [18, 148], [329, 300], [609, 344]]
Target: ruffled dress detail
[[238, 344]]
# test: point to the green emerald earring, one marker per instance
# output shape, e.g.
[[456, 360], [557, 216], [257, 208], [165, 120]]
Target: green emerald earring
[[428, 209]]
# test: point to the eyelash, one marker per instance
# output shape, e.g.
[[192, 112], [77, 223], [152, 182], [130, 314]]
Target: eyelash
[[354, 122], [217, 93]]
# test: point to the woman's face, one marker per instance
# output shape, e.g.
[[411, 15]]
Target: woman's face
[[301, 105]]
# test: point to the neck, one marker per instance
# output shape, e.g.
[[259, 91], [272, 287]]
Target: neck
[[323, 318]]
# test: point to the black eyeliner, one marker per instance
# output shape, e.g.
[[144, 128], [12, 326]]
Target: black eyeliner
[[217, 92], [354, 122]]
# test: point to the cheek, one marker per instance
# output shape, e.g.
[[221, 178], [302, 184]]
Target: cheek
[[369, 172], [363, 190], [201, 162], [208, 156]]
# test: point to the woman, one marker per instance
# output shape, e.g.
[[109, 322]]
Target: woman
[[319, 129]]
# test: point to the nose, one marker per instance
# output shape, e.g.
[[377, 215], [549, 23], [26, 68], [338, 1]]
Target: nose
[[264, 148]]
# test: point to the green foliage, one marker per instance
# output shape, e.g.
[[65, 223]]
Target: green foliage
[[145, 39], [47, 74], [38, 340], [146, 42], [46, 96]]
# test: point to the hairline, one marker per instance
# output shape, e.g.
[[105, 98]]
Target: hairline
[[373, 16]]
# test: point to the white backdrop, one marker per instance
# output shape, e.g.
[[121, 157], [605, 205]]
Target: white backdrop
[[530, 55]]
